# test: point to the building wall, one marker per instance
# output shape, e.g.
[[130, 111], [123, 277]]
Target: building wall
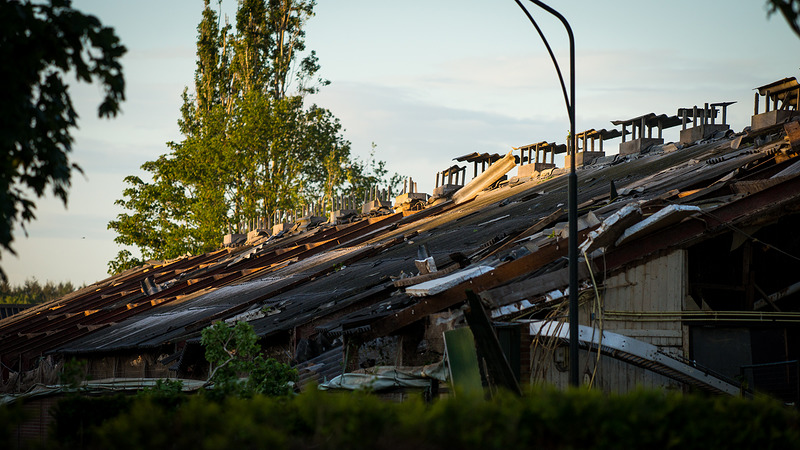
[[606, 374], [640, 302], [131, 365], [635, 301]]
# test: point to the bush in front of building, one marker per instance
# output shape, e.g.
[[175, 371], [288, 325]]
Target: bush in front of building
[[544, 419]]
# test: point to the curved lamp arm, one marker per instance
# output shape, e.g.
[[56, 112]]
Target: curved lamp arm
[[572, 195]]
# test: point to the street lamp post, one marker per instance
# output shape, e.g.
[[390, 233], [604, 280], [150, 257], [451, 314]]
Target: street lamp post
[[572, 196]]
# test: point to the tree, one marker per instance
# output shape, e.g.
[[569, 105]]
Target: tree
[[32, 292], [39, 45], [233, 352], [252, 142], [789, 9]]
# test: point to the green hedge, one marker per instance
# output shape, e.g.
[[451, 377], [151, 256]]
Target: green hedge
[[545, 418]]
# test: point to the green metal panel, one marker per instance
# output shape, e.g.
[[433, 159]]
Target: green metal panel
[[462, 360]]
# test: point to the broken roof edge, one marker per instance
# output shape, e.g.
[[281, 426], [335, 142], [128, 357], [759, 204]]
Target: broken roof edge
[[97, 387], [638, 353], [485, 179]]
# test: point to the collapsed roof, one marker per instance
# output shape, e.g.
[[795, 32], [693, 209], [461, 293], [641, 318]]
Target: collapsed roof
[[360, 279]]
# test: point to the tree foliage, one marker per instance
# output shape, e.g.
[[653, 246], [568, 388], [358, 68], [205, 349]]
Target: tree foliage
[[233, 353], [253, 143], [39, 45], [31, 292], [789, 9]]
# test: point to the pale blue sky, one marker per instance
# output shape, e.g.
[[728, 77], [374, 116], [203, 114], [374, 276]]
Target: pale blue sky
[[426, 81]]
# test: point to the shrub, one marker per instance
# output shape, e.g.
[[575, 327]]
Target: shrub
[[544, 418]]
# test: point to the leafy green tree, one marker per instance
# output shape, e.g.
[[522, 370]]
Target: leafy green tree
[[233, 353], [39, 45], [252, 143]]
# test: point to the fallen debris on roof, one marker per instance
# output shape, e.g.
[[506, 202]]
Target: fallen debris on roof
[[486, 179]]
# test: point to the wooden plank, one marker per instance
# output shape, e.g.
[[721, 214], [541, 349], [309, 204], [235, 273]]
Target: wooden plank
[[435, 303], [531, 288], [499, 371], [410, 281]]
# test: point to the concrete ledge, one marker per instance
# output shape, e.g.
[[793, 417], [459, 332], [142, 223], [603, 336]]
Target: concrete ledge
[[583, 158], [339, 216], [446, 190], [637, 145], [280, 227], [402, 198], [528, 170], [235, 238], [771, 118], [374, 205], [694, 134]]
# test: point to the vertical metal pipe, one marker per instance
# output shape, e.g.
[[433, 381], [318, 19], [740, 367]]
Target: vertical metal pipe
[[572, 196], [573, 222]]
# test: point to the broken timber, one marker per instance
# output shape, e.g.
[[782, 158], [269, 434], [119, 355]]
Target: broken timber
[[502, 274], [497, 367], [484, 180]]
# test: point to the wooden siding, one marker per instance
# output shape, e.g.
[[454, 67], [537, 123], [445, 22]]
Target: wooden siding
[[629, 298], [656, 286], [612, 375]]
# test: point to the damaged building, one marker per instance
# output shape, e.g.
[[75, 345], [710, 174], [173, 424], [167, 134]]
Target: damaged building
[[688, 277]]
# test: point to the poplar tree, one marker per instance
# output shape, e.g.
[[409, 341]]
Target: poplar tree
[[252, 143]]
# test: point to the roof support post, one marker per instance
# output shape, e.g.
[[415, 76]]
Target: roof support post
[[705, 120], [755, 109], [642, 127]]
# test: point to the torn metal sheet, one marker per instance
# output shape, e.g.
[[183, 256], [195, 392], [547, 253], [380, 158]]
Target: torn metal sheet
[[438, 285], [772, 298], [667, 216], [612, 227], [104, 386], [512, 308], [638, 353], [486, 179], [382, 378]]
